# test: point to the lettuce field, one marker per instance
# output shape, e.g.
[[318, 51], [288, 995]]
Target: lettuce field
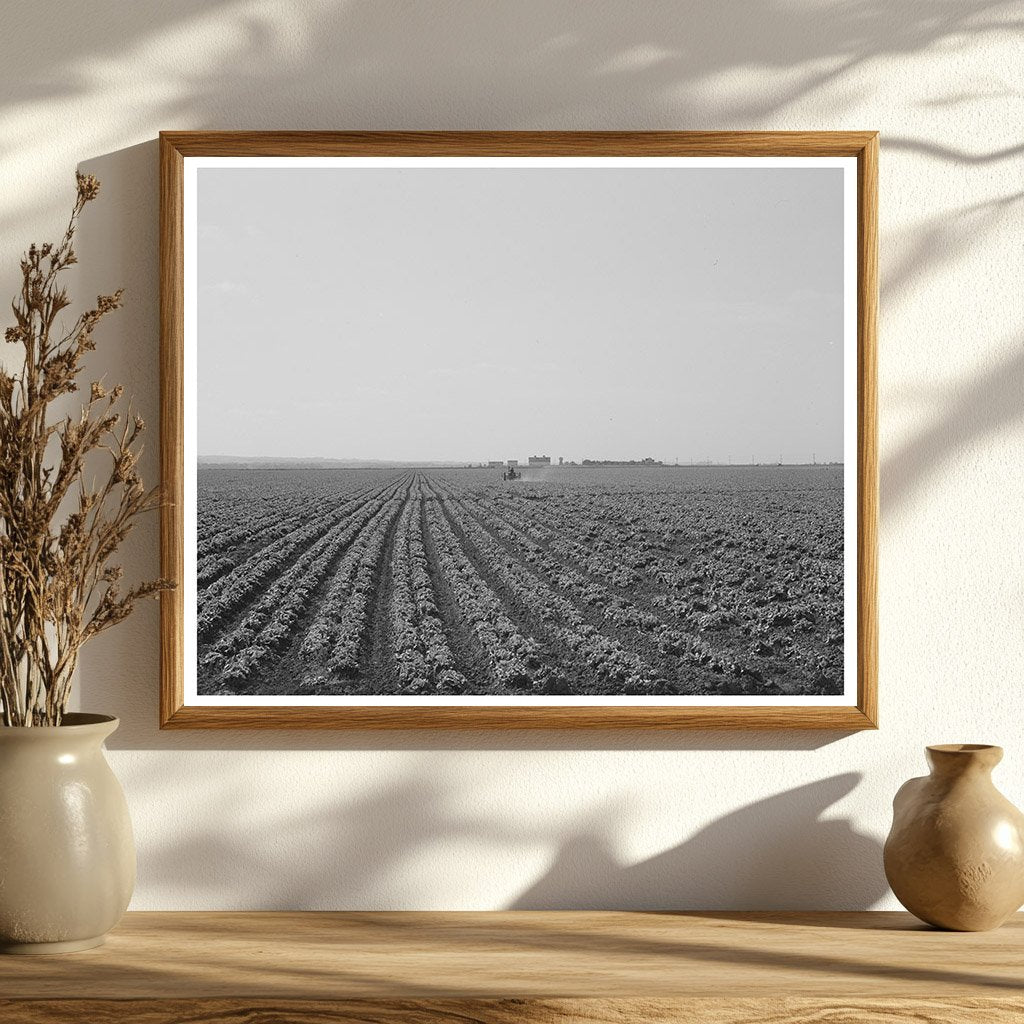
[[610, 581]]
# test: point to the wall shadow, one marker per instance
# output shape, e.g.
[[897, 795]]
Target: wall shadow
[[135, 735], [780, 853], [951, 154], [993, 401], [938, 243], [776, 854], [326, 65]]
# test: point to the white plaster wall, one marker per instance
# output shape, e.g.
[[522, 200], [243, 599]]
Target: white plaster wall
[[338, 820]]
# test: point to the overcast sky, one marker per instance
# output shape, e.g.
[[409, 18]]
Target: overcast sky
[[475, 314]]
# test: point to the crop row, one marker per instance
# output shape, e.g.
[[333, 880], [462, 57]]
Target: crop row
[[513, 659], [603, 656], [237, 507], [720, 569], [231, 592], [269, 624], [255, 525], [335, 637], [423, 659], [523, 533], [245, 522]]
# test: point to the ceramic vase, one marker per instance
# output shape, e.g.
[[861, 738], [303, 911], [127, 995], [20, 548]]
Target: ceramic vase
[[67, 855], [955, 855]]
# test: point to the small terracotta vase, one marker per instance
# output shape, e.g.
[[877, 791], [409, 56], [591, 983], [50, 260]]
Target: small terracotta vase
[[67, 856], [955, 854]]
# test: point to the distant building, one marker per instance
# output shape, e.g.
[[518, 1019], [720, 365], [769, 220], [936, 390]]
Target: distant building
[[495, 464], [540, 460], [512, 463], [622, 462]]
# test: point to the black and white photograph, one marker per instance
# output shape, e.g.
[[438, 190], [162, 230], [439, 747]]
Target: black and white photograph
[[522, 431]]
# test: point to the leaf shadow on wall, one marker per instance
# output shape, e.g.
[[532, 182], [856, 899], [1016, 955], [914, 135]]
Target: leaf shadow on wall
[[403, 843], [327, 65], [777, 853], [991, 402]]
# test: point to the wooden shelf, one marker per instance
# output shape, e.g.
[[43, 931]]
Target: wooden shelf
[[500, 968]]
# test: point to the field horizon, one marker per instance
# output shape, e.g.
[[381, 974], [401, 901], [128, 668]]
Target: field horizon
[[313, 462]]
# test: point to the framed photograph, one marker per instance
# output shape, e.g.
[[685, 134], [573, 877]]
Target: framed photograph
[[519, 430]]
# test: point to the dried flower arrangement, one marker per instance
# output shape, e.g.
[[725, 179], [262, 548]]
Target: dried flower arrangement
[[57, 533]]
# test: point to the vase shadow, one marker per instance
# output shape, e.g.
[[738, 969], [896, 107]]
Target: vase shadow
[[779, 853]]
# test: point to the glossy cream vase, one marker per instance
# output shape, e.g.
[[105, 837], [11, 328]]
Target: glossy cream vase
[[67, 856], [955, 855]]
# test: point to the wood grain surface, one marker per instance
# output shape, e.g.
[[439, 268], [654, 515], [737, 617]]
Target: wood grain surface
[[176, 146], [511, 717], [867, 430], [489, 143], [515, 1011], [172, 444], [527, 954]]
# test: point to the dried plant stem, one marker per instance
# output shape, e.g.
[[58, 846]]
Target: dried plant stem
[[58, 587]]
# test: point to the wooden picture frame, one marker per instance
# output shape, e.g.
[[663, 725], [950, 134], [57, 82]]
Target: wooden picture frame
[[857, 710]]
